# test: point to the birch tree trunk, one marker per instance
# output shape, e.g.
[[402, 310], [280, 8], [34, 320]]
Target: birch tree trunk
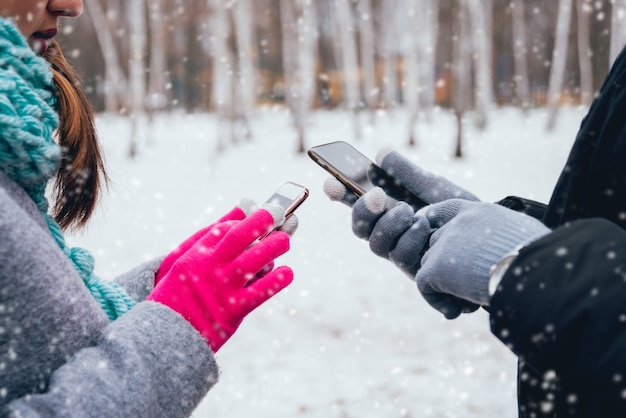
[[222, 72], [307, 42], [481, 39], [461, 70], [299, 40], [158, 80], [618, 28], [368, 51], [387, 50], [584, 52], [427, 42], [246, 80], [411, 25], [288, 19], [136, 13], [344, 24], [114, 79], [559, 58], [234, 88], [520, 53]]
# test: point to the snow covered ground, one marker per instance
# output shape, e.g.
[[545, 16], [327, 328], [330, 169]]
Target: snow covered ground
[[351, 337]]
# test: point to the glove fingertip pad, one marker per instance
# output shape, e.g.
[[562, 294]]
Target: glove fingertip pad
[[375, 200], [248, 206], [276, 211], [290, 225], [334, 189], [382, 153]]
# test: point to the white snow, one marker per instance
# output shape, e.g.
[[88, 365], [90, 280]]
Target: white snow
[[351, 337]]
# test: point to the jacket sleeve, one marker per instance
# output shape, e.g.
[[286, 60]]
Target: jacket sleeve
[[60, 356], [561, 308], [139, 282], [149, 363], [527, 206]]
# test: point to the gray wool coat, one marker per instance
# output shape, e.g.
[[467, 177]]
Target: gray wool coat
[[59, 354]]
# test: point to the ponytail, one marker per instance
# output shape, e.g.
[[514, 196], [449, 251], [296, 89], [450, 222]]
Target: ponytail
[[82, 174]]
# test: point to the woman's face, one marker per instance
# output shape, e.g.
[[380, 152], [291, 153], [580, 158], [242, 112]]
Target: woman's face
[[37, 20]]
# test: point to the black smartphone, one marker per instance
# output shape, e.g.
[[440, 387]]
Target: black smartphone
[[358, 173], [289, 195]]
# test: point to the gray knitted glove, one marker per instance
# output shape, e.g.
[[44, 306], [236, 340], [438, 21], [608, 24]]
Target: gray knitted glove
[[394, 233], [382, 217], [338, 192], [469, 238], [427, 186]]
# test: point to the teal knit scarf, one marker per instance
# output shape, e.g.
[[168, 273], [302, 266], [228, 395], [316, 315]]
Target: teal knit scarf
[[29, 155]]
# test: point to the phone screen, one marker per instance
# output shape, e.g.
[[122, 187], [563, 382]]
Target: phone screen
[[359, 173], [346, 163], [289, 195]]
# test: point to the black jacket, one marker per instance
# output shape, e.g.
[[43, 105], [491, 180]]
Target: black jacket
[[561, 306]]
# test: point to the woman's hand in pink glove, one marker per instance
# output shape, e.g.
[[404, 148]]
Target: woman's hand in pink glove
[[237, 213], [214, 284]]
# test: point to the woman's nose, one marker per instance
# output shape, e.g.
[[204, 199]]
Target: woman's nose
[[66, 8]]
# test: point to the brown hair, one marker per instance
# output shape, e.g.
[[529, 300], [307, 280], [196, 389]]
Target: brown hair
[[82, 173]]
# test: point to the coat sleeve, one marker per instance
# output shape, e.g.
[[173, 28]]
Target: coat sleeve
[[139, 282], [529, 207], [148, 363], [593, 181], [60, 356], [561, 308]]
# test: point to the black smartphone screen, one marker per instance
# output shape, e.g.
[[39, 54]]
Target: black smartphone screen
[[346, 163], [359, 173]]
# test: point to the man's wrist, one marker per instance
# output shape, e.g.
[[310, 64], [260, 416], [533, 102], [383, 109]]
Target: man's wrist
[[497, 271]]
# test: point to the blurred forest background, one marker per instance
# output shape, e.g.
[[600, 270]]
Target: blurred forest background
[[229, 57]]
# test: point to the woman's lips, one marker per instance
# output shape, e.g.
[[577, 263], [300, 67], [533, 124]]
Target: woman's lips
[[46, 34], [40, 40]]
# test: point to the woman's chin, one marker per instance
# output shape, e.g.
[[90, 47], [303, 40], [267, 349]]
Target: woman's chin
[[39, 45]]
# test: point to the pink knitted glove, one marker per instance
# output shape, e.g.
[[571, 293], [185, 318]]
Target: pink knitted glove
[[236, 213], [214, 285]]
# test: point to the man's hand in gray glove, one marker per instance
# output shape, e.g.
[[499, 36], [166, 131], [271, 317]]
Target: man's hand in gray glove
[[453, 276], [394, 233], [469, 238], [379, 219], [427, 186]]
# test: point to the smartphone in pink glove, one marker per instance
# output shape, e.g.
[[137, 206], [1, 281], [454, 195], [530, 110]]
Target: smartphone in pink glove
[[290, 196]]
